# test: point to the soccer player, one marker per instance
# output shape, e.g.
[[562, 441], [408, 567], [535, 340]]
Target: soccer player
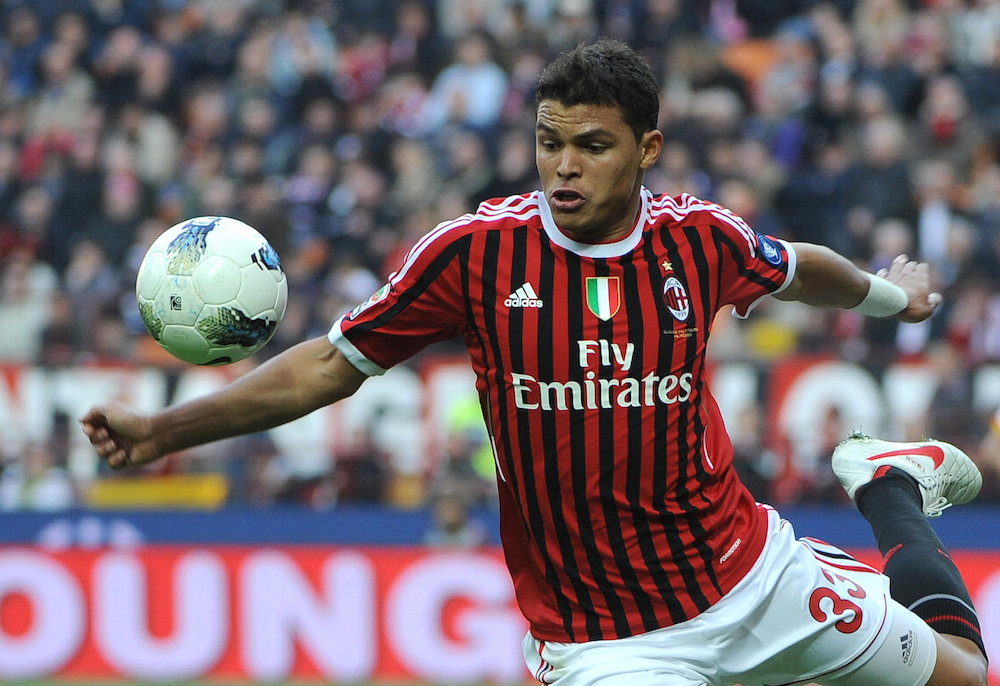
[[637, 555]]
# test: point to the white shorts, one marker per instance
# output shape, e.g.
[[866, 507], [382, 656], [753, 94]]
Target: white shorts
[[806, 612]]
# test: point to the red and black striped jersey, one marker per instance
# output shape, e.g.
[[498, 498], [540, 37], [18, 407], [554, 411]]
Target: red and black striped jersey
[[620, 508]]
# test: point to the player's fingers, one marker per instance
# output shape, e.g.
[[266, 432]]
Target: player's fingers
[[95, 425], [93, 417], [118, 459], [894, 267]]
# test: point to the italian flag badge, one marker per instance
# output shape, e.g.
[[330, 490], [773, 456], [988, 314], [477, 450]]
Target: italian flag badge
[[604, 296]]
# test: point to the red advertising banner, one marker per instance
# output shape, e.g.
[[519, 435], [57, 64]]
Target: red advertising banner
[[261, 614], [285, 613]]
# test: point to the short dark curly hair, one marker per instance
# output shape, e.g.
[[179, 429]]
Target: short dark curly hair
[[606, 72]]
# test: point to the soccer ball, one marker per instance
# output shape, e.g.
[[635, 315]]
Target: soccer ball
[[211, 290]]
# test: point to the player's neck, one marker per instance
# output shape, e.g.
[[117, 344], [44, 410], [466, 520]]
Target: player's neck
[[606, 236]]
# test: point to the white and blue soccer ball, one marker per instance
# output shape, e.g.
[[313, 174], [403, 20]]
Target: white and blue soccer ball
[[211, 290]]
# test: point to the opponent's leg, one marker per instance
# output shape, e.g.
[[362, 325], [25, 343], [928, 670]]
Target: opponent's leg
[[896, 485]]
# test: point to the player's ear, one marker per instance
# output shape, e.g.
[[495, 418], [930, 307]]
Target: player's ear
[[651, 145]]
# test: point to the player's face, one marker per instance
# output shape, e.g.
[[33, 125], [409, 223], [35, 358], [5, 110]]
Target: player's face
[[591, 168]]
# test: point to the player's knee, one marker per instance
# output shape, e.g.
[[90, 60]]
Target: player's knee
[[974, 674], [960, 663], [976, 668], [966, 675], [980, 673]]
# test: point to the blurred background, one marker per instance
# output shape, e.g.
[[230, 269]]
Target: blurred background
[[343, 130]]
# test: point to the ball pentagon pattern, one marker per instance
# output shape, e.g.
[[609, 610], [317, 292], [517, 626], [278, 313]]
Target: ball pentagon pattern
[[211, 291]]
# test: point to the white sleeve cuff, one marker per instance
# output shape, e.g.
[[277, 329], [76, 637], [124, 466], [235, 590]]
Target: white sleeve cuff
[[792, 261], [355, 356]]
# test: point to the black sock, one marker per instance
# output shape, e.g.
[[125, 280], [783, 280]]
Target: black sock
[[922, 576]]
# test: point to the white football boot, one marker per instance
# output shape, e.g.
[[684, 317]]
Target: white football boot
[[945, 474]]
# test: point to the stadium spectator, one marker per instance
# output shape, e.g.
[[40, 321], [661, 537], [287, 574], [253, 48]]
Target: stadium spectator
[[153, 140], [251, 79], [452, 525], [881, 186], [157, 84], [24, 44], [65, 91], [467, 165], [458, 18], [469, 91], [79, 201], [415, 181], [93, 285], [303, 55], [515, 167], [35, 225], [32, 481], [413, 46], [123, 205], [116, 67], [882, 27], [945, 129], [657, 24], [573, 22], [27, 286]]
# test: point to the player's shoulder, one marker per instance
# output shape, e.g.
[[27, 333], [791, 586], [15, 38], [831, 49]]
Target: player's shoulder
[[511, 211], [684, 210], [496, 214], [688, 209]]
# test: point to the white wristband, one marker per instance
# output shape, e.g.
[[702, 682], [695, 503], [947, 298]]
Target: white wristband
[[884, 299]]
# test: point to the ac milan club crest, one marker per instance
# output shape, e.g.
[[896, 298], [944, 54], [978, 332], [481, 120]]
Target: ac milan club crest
[[677, 298]]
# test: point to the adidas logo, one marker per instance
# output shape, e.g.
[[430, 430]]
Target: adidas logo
[[524, 296], [906, 643]]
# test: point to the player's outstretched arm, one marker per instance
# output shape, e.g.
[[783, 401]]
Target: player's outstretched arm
[[825, 279], [296, 382]]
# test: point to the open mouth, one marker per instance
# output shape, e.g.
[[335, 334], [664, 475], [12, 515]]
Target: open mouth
[[565, 199]]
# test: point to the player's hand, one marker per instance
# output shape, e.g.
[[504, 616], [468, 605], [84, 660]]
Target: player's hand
[[122, 437], [914, 278]]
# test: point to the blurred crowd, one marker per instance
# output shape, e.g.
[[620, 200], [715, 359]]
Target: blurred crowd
[[343, 130]]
